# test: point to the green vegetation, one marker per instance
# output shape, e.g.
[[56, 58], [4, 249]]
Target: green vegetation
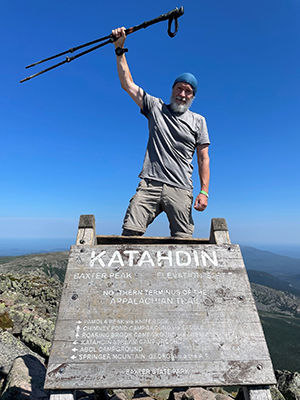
[[52, 271], [283, 337], [5, 321]]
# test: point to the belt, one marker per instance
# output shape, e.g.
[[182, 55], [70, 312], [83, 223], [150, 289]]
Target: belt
[[153, 182]]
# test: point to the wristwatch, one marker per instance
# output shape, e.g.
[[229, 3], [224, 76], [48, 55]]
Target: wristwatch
[[119, 51]]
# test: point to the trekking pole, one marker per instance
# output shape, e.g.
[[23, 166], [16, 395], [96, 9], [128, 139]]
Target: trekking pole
[[171, 16]]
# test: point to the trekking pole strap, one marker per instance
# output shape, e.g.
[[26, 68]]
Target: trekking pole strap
[[171, 15]]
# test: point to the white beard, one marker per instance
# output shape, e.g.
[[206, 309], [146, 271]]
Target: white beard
[[180, 108]]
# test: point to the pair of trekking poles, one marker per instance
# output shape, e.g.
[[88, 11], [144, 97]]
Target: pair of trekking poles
[[171, 16]]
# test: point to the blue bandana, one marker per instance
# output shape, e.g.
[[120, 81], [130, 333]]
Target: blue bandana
[[187, 78]]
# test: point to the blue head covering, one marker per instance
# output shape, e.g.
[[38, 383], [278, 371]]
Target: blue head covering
[[189, 78]]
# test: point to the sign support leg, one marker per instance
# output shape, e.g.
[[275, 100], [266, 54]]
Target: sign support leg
[[63, 395], [86, 231], [257, 393]]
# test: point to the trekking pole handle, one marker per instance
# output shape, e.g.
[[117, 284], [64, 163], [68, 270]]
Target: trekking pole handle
[[172, 15]]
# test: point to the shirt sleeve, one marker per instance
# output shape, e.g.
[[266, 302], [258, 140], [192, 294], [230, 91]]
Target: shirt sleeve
[[149, 102], [202, 137]]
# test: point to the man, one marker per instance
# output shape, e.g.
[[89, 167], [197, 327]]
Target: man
[[174, 134]]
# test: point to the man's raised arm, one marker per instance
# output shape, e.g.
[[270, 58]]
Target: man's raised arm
[[134, 91]]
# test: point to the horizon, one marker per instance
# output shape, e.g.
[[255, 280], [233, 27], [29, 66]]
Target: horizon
[[21, 246]]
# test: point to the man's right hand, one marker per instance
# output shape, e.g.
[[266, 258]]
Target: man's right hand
[[121, 35]]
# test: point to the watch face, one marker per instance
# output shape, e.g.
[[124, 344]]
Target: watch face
[[120, 51]]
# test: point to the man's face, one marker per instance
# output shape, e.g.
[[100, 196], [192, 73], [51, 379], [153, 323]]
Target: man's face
[[182, 97]]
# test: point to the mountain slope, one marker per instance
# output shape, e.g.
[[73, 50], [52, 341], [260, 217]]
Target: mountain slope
[[282, 335], [275, 301]]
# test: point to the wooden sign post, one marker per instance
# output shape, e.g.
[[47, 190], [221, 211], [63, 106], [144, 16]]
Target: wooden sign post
[[157, 312]]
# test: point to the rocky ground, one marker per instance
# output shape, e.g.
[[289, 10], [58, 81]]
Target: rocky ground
[[28, 308]]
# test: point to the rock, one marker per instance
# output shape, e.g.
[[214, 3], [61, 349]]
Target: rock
[[11, 348], [20, 319], [122, 394], [289, 384], [28, 309], [142, 394], [222, 396], [163, 394], [25, 380], [275, 393], [129, 394], [159, 394], [38, 335], [220, 393], [177, 393], [198, 394]]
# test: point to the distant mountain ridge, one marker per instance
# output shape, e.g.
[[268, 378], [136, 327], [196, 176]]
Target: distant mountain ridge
[[275, 264], [265, 279], [285, 268], [48, 264]]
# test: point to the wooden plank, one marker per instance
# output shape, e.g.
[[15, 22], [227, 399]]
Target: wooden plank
[[144, 240], [159, 374], [157, 316]]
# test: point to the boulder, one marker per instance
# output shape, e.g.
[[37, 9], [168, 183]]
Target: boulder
[[177, 393], [289, 384], [198, 393], [275, 393], [25, 380], [11, 348], [142, 394], [38, 335], [222, 396], [121, 394], [159, 393]]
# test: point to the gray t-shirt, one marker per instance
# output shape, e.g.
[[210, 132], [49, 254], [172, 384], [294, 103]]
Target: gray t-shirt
[[173, 139]]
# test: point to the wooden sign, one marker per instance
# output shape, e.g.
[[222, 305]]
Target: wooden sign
[[157, 316]]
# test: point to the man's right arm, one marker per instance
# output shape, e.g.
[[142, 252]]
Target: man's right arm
[[134, 91]]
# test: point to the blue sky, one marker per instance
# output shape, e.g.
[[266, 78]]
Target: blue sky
[[72, 142]]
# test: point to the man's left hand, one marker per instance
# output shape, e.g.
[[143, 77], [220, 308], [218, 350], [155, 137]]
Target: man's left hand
[[200, 202]]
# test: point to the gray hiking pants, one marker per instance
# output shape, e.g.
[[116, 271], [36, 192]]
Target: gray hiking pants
[[151, 199]]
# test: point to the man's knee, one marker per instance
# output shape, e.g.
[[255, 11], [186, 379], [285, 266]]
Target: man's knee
[[177, 234]]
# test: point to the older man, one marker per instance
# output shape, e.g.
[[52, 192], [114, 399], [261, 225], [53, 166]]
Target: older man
[[175, 133]]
